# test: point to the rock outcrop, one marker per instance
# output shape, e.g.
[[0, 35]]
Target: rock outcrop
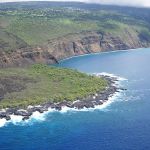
[[25, 57]]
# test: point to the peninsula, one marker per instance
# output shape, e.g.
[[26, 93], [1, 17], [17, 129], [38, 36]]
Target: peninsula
[[40, 87]]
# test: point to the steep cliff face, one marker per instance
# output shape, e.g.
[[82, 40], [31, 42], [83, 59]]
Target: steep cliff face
[[26, 57], [93, 42], [72, 45]]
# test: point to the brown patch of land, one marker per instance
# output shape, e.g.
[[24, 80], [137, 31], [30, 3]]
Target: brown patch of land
[[9, 84]]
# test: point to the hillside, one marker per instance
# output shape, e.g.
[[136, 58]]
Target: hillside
[[45, 32]]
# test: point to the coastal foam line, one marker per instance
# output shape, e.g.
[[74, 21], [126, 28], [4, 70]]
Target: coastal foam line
[[37, 116]]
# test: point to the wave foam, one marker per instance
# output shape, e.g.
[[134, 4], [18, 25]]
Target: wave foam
[[110, 75], [2, 122], [16, 119]]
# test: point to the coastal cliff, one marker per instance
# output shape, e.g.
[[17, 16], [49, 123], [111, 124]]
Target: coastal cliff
[[71, 45]]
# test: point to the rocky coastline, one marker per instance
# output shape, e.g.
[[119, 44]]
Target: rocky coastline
[[91, 101]]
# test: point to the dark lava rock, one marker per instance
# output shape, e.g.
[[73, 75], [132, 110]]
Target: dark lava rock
[[11, 111], [3, 115], [44, 109], [98, 102], [123, 89], [53, 106], [64, 103], [89, 104], [47, 105], [22, 113], [57, 107], [39, 109], [7, 117], [79, 105], [25, 118], [102, 97]]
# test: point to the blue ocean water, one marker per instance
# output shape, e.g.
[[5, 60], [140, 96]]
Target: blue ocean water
[[123, 125]]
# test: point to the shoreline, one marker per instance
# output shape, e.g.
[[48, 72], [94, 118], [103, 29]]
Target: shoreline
[[92, 101], [102, 52]]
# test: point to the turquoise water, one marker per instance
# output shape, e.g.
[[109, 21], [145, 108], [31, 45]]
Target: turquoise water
[[122, 125]]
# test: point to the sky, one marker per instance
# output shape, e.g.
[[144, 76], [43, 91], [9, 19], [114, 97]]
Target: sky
[[138, 3]]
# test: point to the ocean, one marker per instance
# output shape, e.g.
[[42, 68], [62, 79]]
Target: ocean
[[121, 124]]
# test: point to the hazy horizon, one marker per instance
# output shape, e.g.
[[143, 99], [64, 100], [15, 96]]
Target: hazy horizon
[[136, 3]]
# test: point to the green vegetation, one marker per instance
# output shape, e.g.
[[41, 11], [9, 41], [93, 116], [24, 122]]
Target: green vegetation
[[40, 83], [34, 23], [39, 30]]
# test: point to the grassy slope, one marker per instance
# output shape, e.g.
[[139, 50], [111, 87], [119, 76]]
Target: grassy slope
[[42, 84], [36, 23], [39, 30]]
